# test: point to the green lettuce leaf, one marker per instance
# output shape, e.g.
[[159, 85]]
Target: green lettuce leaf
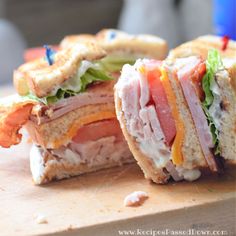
[[31, 96], [213, 64], [77, 85], [73, 86], [115, 63], [98, 71]]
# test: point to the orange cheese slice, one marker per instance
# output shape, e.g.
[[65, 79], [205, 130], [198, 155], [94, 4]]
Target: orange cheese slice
[[72, 131], [176, 151]]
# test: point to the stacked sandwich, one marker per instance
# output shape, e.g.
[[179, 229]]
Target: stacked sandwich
[[66, 104], [121, 48], [179, 115]]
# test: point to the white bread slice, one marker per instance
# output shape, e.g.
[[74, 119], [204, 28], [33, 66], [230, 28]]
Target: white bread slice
[[191, 148], [40, 78], [116, 42], [226, 81], [71, 40], [201, 45], [150, 170], [142, 45]]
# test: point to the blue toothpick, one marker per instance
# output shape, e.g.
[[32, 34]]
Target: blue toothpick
[[112, 35], [49, 54]]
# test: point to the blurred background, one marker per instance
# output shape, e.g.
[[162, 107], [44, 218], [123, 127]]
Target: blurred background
[[32, 23]]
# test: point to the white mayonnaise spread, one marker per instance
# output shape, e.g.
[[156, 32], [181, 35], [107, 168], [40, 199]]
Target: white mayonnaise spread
[[36, 164], [155, 150], [189, 175], [215, 110], [74, 83]]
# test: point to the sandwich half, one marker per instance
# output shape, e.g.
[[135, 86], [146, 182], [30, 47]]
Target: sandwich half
[[178, 115], [66, 104], [218, 85], [122, 48], [202, 44], [116, 42]]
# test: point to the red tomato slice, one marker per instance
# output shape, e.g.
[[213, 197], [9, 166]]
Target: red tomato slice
[[35, 53], [97, 130], [197, 77], [162, 107]]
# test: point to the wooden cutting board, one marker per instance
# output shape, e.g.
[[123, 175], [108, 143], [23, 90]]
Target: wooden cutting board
[[93, 204]]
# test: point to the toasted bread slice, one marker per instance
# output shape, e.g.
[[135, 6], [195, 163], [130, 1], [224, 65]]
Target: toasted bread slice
[[226, 80], [40, 78], [142, 45], [191, 148], [71, 40], [201, 45], [118, 43]]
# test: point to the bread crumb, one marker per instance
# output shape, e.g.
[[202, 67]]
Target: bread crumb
[[136, 198], [70, 228], [41, 219]]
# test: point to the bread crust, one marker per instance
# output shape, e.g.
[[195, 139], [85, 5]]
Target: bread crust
[[201, 45], [227, 129], [117, 42], [71, 40], [147, 165], [40, 78], [142, 45]]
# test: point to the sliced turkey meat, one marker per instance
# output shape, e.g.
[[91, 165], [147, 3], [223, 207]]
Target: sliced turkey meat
[[141, 117]]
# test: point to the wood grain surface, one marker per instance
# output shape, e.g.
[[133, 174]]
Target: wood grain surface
[[92, 204]]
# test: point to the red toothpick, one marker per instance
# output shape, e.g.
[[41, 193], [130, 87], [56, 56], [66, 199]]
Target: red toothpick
[[225, 41]]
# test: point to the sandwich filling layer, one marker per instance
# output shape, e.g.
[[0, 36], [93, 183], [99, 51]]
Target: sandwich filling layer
[[94, 95], [96, 146], [151, 118], [202, 94], [87, 73]]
